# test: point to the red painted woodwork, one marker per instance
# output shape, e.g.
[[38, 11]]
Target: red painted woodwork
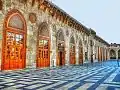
[[14, 41], [43, 46], [72, 54], [80, 55], [43, 52]]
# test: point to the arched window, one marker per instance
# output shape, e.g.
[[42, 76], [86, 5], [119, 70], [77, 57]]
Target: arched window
[[15, 21], [72, 51], [14, 41], [43, 30]]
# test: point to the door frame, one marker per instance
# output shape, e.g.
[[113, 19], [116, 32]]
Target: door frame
[[40, 37], [74, 54], [58, 60], [5, 29]]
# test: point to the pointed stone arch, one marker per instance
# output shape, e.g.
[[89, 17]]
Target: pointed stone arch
[[60, 48], [43, 30], [14, 41], [72, 50], [43, 46]]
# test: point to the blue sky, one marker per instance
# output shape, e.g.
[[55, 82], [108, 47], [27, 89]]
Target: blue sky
[[101, 15]]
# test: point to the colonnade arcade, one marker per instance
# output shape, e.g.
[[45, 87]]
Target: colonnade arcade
[[14, 43], [27, 36]]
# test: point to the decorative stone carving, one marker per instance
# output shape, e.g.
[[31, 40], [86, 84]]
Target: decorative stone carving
[[8, 3], [32, 17]]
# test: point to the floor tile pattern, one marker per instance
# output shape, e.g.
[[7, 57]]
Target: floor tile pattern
[[97, 76]]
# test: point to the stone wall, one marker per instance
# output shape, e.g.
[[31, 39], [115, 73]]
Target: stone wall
[[53, 25]]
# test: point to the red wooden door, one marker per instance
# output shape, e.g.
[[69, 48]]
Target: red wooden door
[[14, 42], [61, 54], [80, 55], [72, 54], [43, 54], [61, 57], [14, 51]]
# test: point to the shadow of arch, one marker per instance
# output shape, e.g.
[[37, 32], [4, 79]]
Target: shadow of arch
[[119, 54], [112, 54]]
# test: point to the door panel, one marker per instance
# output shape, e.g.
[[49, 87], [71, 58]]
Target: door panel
[[43, 59], [61, 54], [72, 54], [61, 57], [80, 55], [14, 51]]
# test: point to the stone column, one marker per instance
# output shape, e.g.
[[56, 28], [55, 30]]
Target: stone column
[[53, 52], [77, 54], [31, 47], [67, 51]]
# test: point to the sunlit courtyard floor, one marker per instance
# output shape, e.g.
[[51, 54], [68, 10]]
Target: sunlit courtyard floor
[[97, 76]]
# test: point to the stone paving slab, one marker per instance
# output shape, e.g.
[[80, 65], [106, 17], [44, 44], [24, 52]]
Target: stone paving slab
[[98, 76]]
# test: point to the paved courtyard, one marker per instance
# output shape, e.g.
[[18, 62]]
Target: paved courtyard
[[103, 76]]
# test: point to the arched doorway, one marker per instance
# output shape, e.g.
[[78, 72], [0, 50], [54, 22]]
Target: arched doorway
[[80, 52], [91, 47], [72, 51], [43, 46], [112, 54], [119, 54], [14, 41], [61, 49]]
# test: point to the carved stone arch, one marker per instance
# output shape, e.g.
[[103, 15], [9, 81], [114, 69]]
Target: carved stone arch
[[72, 50], [14, 41], [60, 48], [43, 45], [43, 29], [112, 54]]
